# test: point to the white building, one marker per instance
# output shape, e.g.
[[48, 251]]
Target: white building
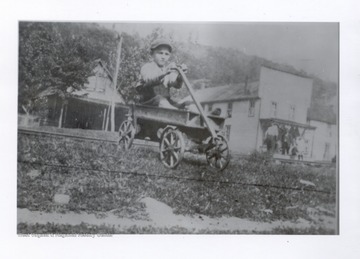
[[278, 98], [326, 134]]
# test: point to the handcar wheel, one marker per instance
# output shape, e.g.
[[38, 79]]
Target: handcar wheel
[[172, 147], [218, 153], [127, 134]]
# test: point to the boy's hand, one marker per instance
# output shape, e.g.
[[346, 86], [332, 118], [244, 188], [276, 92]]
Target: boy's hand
[[173, 65], [170, 67], [184, 68]]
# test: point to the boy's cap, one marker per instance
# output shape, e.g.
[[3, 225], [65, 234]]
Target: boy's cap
[[160, 42]]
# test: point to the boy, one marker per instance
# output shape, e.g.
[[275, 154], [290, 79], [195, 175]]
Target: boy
[[157, 76]]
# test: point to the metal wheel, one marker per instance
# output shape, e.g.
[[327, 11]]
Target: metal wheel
[[127, 134], [172, 148], [218, 153]]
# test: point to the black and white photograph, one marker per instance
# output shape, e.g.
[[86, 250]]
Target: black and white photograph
[[178, 128]]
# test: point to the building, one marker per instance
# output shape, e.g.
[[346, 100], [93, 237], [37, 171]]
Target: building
[[325, 139], [88, 108], [285, 100], [278, 99]]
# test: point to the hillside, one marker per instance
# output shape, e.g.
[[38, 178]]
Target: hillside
[[214, 66], [219, 66], [46, 62]]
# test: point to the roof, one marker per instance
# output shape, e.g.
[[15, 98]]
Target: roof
[[226, 93], [104, 66], [287, 122], [288, 70], [52, 90], [104, 96], [321, 113]]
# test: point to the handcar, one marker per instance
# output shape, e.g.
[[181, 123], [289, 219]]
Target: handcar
[[178, 131]]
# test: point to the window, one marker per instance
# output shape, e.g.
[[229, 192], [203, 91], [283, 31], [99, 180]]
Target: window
[[273, 109], [92, 83], [251, 108], [101, 82], [292, 112], [210, 107], [227, 132], [306, 152], [229, 109]]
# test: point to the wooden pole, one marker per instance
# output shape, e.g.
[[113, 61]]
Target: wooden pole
[[107, 119], [61, 114], [65, 114], [118, 52], [104, 119]]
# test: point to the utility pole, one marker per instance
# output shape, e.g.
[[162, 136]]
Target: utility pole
[[114, 83]]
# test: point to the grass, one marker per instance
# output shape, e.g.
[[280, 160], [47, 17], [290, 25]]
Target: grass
[[99, 177]]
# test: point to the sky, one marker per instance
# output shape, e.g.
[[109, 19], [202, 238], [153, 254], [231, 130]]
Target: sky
[[313, 47]]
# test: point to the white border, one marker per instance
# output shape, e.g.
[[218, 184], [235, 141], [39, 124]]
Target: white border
[[346, 245]]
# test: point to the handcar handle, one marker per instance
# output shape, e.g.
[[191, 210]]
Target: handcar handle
[[197, 103]]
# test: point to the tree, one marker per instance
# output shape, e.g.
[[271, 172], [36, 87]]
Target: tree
[[56, 59], [133, 56]]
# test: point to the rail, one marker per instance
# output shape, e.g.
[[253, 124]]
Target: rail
[[111, 137]]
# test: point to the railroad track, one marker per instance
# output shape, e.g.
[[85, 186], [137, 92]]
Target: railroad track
[[109, 137], [112, 137]]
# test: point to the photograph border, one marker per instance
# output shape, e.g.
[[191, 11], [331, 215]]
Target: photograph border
[[178, 246]]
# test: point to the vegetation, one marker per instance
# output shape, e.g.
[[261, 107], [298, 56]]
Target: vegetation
[[99, 178], [52, 58], [56, 57]]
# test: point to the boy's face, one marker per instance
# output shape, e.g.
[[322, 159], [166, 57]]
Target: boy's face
[[161, 55]]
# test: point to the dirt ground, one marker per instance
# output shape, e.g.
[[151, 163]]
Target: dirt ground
[[158, 215]]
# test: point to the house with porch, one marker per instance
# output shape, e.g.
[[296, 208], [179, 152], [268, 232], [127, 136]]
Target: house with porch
[[90, 107]]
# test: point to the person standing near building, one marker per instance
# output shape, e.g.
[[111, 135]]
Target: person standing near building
[[293, 151], [286, 143], [293, 134], [271, 136], [301, 147]]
